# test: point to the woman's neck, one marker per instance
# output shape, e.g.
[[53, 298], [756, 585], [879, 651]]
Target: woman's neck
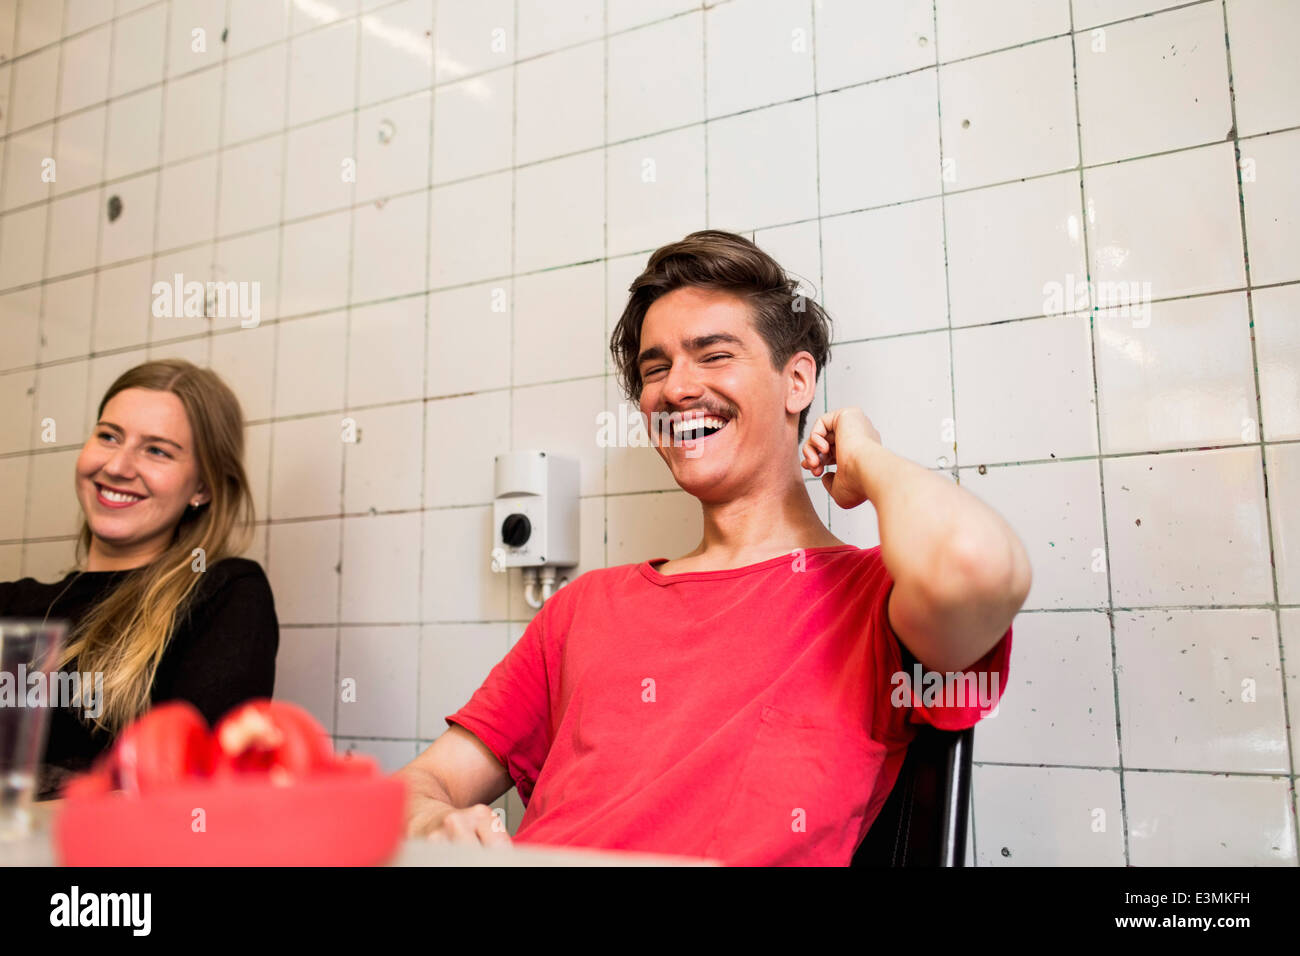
[[99, 558]]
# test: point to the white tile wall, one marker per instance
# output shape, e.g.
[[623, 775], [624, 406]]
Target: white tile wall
[[1059, 240], [986, 101], [879, 143], [645, 101], [856, 43], [1006, 243], [383, 552], [1172, 67]]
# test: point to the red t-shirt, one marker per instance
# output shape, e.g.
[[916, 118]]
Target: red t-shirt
[[743, 715]]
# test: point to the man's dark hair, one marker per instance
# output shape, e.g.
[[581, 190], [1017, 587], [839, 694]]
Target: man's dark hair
[[787, 320]]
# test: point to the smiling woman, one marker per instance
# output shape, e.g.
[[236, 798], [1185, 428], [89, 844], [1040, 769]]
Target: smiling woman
[[161, 607]]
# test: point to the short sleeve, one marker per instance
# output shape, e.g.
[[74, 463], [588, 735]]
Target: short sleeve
[[510, 712], [225, 653], [914, 695]]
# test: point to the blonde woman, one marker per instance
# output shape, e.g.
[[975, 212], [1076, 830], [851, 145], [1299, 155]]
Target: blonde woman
[[159, 608]]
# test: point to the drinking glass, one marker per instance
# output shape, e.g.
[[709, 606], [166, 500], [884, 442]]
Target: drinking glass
[[28, 651]]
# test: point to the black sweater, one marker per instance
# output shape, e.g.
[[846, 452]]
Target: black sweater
[[221, 654]]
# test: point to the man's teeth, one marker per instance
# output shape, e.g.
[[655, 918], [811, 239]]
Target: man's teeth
[[696, 424], [114, 496]]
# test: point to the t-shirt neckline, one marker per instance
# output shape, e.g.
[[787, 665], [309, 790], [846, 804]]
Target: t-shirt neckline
[[652, 574]]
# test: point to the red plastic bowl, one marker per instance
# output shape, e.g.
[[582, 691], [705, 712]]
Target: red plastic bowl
[[318, 821]]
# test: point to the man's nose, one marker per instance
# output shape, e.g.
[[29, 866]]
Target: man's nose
[[681, 386]]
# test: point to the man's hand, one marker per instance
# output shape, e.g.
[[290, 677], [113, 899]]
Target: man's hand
[[449, 787], [847, 430], [478, 824], [960, 573]]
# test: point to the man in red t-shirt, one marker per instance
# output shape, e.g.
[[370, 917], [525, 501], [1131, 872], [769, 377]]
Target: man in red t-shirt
[[752, 700]]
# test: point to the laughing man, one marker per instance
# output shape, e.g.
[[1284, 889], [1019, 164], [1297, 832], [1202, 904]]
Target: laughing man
[[737, 702]]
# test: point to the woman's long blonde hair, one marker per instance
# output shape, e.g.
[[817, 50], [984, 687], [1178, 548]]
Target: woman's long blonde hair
[[124, 635]]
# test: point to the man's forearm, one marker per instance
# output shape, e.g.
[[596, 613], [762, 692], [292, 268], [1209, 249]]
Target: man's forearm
[[940, 541], [426, 802]]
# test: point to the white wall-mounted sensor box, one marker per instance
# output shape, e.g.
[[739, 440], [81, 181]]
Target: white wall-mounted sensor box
[[535, 510]]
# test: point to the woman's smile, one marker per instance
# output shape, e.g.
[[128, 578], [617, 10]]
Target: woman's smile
[[110, 497]]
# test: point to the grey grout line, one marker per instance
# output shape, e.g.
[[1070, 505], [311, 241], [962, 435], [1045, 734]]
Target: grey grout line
[[424, 408], [1150, 609], [288, 129], [606, 359], [110, 24], [509, 282], [157, 173], [101, 223], [336, 210], [657, 492], [211, 331], [952, 362], [380, 8], [822, 393], [209, 245], [37, 377], [293, 317], [1168, 8], [13, 34], [218, 179], [279, 282], [398, 403], [703, 11], [4, 120], [1184, 771], [979, 763], [1259, 419], [347, 342], [947, 277], [704, 112], [1101, 470], [421, 621]]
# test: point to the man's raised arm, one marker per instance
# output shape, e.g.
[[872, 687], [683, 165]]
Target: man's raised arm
[[960, 573]]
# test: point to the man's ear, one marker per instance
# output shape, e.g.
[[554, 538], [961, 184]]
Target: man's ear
[[802, 369]]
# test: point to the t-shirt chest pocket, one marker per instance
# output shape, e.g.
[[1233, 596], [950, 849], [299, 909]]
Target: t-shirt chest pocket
[[801, 794]]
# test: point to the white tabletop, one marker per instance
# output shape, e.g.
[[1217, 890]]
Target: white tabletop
[[37, 849]]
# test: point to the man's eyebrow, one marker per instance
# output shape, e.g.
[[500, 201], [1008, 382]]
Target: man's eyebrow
[[118, 428], [697, 344]]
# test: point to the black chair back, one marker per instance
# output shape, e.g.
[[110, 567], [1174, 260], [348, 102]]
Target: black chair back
[[923, 822]]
